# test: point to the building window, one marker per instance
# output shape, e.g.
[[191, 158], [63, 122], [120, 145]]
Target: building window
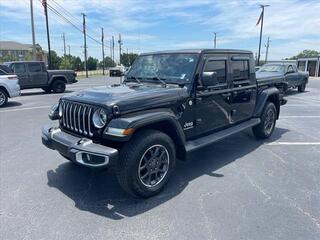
[[240, 70], [302, 65]]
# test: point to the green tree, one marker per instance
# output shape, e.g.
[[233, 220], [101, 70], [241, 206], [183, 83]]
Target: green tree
[[108, 63], [55, 60], [128, 59], [77, 64], [92, 63], [306, 53]]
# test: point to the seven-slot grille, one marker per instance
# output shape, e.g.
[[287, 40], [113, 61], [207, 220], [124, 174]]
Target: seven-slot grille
[[77, 117]]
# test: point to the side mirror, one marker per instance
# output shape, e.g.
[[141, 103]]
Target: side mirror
[[209, 79]]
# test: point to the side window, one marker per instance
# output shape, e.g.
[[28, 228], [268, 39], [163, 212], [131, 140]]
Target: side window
[[290, 69], [19, 68], [240, 70], [34, 67], [219, 68]]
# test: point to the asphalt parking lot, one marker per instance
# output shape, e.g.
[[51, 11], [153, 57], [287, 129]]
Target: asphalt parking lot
[[239, 188]]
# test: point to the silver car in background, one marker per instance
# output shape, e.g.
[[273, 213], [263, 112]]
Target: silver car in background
[[9, 87]]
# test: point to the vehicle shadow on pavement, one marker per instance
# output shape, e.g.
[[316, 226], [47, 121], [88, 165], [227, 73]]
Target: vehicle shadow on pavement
[[43, 93], [98, 192], [292, 92], [12, 104]]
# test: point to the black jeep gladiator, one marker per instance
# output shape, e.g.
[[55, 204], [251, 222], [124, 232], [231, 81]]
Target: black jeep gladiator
[[34, 74], [170, 104]]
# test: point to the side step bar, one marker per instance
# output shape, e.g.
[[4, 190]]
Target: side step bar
[[207, 140]]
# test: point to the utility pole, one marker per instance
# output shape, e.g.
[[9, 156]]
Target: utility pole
[[261, 27], [69, 55], [215, 40], [120, 43], [34, 57], [64, 50], [44, 4], [85, 43], [102, 41], [267, 49], [113, 48]]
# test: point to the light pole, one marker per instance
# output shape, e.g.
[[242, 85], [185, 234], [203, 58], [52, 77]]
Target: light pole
[[261, 27], [33, 34]]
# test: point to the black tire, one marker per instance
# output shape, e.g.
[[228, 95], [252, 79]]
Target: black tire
[[137, 151], [47, 89], [302, 87], [268, 122], [3, 98], [58, 86]]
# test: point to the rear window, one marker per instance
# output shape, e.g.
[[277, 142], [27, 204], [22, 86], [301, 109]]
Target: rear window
[[34, 67], [240, 70]]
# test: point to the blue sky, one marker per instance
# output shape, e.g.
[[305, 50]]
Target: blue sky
[[149, 25]]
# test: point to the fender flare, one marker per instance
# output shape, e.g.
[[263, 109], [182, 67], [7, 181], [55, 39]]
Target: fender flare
[[160, 119], [61, 77], [262, 98]]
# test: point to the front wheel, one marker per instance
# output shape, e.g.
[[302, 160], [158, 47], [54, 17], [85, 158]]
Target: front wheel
[[3, 98], [302, 87], [268, 122], [146, 163]]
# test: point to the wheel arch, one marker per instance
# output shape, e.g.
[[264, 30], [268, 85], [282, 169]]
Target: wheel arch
[[267, 95], [162, 120], [5, 90], [57, 77]]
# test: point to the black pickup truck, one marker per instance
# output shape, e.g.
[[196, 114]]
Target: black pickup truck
[[34, 74], [170, 104]]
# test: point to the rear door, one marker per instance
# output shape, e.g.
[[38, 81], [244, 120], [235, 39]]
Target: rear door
[[213, 104], [244, 87], [21, 71], [38, 75]]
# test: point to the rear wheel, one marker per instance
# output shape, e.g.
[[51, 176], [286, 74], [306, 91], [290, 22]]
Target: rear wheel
[[58, 86], [146, 163], [268, 122], [302, 87], [3, 97]]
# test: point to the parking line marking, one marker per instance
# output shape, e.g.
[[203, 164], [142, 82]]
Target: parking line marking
[[300, 116], [294, 143], [22, 109]]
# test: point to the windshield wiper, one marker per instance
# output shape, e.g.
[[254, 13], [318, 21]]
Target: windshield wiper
[[159, 80], [133, 78]]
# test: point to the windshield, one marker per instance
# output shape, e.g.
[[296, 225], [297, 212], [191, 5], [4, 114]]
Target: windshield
[[174, 68], [272, 68]]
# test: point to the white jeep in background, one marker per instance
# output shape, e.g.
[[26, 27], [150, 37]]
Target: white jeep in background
[[9, 87]]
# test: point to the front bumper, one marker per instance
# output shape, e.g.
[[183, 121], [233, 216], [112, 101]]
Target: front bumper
[[79, 150]]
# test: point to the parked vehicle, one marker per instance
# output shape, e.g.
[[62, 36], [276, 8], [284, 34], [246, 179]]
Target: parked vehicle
[[117, 71], [9, 87], [5, 68], [33, 74], [170, 104], [289, 71]]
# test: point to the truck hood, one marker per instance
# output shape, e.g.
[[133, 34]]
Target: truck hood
[[268, 74], [130, 98]]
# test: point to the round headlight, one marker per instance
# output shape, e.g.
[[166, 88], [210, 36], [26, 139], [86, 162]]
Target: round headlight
[[99, 118]]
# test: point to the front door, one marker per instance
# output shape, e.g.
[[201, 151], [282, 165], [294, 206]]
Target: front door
[[20, 70], [213, 103], [38, 77], [291, 76], [244, 88]]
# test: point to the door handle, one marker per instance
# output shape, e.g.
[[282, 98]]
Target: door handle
[[226, 94]]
